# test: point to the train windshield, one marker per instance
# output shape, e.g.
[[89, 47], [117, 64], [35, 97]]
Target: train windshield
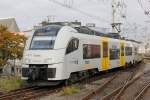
[[44, 38], [42, 44]]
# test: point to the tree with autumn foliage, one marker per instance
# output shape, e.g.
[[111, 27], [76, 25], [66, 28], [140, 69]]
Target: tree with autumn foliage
[[11, 45]]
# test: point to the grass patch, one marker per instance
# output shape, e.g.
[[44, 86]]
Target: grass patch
[[68, 90], [10, 83]]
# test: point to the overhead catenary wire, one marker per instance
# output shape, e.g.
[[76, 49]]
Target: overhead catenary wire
[[80, 11], [141, 5]]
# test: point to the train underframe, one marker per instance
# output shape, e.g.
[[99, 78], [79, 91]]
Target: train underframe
[[38, 75]]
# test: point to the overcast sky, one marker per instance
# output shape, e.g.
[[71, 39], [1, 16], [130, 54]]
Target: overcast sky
[[31, 12]]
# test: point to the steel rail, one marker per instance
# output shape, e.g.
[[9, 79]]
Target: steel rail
[[18, 91], [91, 94], [129, 83], [126, 86], [113, 93], [141, 92]]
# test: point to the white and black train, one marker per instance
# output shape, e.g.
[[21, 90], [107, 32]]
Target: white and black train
[[56, 53]]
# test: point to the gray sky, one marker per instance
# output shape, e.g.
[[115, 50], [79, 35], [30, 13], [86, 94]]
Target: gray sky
[[31, 12]]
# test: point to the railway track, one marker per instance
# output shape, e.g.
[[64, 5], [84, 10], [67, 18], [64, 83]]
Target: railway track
[[34, 92], [117, 91], [28, 93], [140, 85], [94, 93], [102, 87], [142, 91]]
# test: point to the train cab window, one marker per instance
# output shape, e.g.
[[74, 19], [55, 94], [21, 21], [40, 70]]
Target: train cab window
[[105, 49], [44, 37], [73, 45], [128, 51], [42, 44], [91, 51]]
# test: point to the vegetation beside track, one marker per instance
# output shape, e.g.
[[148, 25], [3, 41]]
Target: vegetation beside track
[[68, 90], [10, 83]]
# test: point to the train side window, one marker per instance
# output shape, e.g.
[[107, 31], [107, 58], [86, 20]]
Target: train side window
[[85, 51], [73, 45], [105, 49], [91, 51], [128, 51], [114, 54], [136, 50]]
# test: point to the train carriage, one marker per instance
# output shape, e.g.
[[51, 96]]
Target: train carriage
[[57, 53]]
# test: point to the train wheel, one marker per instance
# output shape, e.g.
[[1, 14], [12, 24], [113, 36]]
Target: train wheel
[[67, 82], [72, 79], [127, 65]]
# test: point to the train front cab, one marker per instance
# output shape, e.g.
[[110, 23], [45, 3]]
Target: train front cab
[[43, 60]]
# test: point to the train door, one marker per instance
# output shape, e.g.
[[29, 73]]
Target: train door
[[73, 55], [122, 53], [114, 54], [105, 54]]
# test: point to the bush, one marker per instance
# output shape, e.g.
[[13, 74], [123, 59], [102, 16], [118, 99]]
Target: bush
[[10, 83]]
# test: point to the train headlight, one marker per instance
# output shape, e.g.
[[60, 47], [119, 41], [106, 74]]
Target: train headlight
[[26, 61], [25, 66], [48, 60]]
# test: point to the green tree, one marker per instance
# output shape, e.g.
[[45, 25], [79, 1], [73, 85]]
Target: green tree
[[11, 45]]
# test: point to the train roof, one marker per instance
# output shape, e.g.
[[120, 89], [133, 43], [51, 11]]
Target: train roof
[[97, 32], [133, 41], [88, 30]]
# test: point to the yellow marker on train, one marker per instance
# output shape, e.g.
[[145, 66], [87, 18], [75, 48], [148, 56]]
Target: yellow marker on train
[[122, 53], [104, 53]]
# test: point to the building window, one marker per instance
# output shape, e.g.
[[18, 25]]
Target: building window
[[91, 51], [128, 51], [73, 45]]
